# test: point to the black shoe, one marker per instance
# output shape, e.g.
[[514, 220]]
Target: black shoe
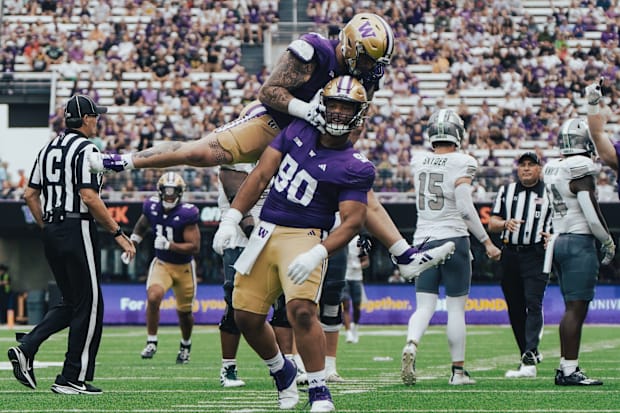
[[22, 367], [577, 378], [64, 386], [183, 354]]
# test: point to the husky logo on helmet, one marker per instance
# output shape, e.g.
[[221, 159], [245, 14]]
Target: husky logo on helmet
[[370, 35], [170, 187], [575, 138], [446, 126], [344, 89]]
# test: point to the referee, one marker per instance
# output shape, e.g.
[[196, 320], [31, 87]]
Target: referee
[[64, 199], [521, 212]]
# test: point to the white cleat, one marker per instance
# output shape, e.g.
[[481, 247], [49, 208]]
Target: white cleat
[[350, 336], [228, 377], [522, 371], [323, 406], [407, 369], [423, 260], [334, 377], [460, 377], [288, 397]]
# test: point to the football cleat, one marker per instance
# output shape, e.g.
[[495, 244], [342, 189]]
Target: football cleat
[[22, 367], [228, 377], [321, 399], [350, 336], [460, 377], [577, 378], [524, 370], [64, 386], [288, 397], [149, 351], [334, 377], [407, 369], [183, 354], [413, 262]]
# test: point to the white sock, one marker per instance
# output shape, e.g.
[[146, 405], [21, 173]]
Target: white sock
[[276, 363], [569, 367], [151, 339], [316, 379], [186, 343], [455, 329], [229, 362], [330, 364], [418, 322], [299, 362], [399, 247]]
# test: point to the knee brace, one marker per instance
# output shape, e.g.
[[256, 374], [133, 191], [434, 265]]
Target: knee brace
[[331, 317], [227, 324]]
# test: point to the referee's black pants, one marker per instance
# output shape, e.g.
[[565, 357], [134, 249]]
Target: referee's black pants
[[71, 249], [524, 284]]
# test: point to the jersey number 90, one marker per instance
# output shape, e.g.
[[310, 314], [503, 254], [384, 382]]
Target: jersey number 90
[[298, 184]]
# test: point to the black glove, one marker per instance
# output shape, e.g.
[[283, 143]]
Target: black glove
[[364, 243]]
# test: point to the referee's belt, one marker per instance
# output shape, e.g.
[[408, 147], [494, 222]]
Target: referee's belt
[[58, 215], [523, 248]]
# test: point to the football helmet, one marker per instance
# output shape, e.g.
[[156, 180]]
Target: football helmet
[[170, 187], [446, 126], [345, 89], [575, 138], [370, 35]]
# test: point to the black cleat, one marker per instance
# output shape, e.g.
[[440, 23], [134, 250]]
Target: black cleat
[[64, 386], [577, 378], [22, 367]]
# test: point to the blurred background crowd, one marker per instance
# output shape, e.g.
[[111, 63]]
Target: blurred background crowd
[[175, 70]]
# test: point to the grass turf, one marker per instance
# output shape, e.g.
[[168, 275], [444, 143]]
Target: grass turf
[[371, 368]]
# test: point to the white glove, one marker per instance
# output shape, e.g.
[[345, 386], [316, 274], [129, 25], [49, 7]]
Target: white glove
[[161, 243], [608, 250], [303, 265], [594, 93], [226, 234], [312, 112], [125, 258]]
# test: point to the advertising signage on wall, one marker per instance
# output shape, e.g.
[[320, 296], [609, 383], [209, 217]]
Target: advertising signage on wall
[[385, 304], [15, 215]]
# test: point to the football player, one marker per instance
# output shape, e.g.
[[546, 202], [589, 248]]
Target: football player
[[577, 223], [292, 91], [177, 239], [315, 175], [446, 212]]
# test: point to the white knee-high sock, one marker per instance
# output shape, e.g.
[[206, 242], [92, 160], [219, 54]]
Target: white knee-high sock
[[456, 330], [418, 322]]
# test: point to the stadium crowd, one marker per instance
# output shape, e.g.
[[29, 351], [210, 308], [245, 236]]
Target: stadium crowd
[[513, 72]]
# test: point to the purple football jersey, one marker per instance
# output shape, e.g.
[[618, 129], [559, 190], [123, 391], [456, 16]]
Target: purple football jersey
[[312, 180], [327, 69], [170, 224]]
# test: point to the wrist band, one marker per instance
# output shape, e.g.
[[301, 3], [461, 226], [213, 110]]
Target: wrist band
[[118, 232]]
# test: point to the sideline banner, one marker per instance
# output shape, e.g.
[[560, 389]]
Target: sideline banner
[[385, 304]]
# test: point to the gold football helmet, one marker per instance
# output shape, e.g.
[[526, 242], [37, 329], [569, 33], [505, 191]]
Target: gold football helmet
[[349, 90], [370, 35], [170, 187]]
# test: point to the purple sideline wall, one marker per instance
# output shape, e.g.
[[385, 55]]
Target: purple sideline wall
[[386, 304]]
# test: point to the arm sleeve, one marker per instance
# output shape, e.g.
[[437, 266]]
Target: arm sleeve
[[597, 226], [465, 205]]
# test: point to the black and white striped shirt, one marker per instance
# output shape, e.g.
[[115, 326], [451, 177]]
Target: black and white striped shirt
[[531, 205], [60, 171]]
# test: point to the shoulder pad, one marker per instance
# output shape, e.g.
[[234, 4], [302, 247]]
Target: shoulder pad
[[580, 166], [302, 49]]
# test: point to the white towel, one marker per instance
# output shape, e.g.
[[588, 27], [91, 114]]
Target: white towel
[[259, 237]]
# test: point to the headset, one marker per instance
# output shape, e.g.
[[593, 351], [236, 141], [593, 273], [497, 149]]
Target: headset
[[74, 123]]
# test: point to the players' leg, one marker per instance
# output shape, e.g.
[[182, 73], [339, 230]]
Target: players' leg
[[512, 286], [331, 310], [184, 287], [157, 283], [229, 332]]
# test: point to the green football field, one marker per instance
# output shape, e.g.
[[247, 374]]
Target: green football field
[[371, 369]]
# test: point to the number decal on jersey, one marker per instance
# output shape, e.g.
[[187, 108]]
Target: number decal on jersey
[[166, 231], [298, 184], [557, 202], [430, 184], [52, 165]]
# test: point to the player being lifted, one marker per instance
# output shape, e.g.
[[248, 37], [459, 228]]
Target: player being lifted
[[292, 91]]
